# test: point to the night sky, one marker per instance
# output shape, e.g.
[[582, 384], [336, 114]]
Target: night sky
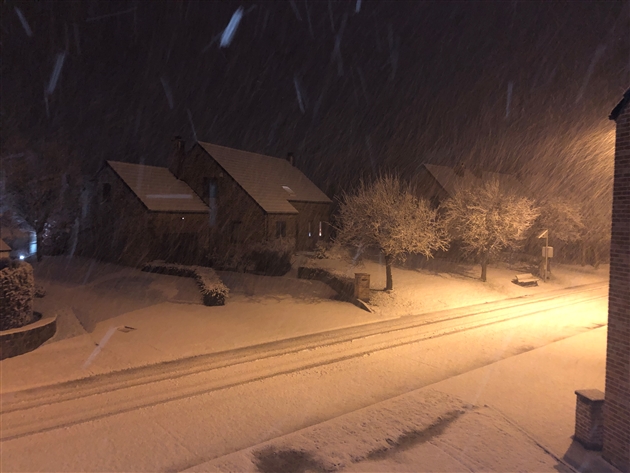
[[352, 88]]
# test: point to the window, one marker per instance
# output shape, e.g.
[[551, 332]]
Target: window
[[235, 233], [107, 192], [281, 229], [321, 233], [210, 191], [310, 230]]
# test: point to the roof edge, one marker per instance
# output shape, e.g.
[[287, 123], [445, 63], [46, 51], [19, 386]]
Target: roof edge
[[620, 107]]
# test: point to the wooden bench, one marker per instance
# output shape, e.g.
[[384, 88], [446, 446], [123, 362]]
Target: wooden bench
[[526, 279]]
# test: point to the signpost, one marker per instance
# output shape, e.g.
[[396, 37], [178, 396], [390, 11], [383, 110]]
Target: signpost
[[547, 250]]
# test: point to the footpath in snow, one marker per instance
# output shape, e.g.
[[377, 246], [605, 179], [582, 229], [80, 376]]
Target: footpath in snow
[[514, 415]]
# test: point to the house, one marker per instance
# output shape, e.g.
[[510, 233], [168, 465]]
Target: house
[[436, 183], [5, 250], [18, 235], [252, 197], [209, 200], [144, 213], [617, 397]]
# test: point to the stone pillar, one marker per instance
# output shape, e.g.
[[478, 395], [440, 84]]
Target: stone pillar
[[589, 418], [617, 407], [362, 286]]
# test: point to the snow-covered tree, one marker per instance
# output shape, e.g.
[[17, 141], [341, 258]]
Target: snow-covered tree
[[595, 237], [386, 216], [562, 218], [488, 219]]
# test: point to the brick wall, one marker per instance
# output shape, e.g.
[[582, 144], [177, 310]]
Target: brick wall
[[617, 405], [589, 422]]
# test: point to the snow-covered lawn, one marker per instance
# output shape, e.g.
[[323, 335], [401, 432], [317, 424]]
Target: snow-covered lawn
[[430, 285]]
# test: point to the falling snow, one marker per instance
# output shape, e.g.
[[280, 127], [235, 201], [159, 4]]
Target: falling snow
[[230, 29], [357, 91]]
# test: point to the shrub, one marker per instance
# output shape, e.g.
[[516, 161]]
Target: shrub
[[272, 257], [16, 295]]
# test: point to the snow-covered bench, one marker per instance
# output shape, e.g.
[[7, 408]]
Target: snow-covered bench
[[526, 279]]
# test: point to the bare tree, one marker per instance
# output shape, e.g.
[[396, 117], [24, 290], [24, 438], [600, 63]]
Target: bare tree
[[385, 215], [488, 220], [41, 180]]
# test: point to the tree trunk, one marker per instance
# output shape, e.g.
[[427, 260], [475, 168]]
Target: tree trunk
[[595, 257], [389, 283], [484, 266], [38, 250]]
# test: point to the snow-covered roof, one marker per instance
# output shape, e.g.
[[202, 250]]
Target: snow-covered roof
[[4, 247], [451, 181], [272, 182], [158, 189]]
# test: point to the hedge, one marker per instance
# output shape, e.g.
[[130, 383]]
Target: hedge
[[213, 291], [17, 289]]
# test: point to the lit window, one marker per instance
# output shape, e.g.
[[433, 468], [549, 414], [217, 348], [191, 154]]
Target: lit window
[[320, 229], [310, 232]]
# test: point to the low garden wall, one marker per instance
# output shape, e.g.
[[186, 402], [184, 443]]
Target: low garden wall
[[344, 286], [18, 341], [213, 291]]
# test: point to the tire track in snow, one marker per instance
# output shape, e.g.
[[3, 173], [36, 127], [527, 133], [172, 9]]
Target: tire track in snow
[[63, 405]]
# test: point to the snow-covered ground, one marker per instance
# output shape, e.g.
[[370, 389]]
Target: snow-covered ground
[[92, 299], [428, 285], [503, 399], [513, 415]]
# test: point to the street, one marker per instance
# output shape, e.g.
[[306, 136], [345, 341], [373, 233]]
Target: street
[[172, 417]]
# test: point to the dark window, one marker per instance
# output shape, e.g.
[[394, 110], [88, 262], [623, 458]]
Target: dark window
[[107, 192], [281, 229], [235, 234], [210, 192]]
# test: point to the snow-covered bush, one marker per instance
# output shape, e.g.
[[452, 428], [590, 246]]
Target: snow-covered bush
[[213, 291], [16, 295], [271, 257]]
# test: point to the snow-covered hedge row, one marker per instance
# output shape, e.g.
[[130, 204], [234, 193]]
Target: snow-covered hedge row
[[17, 289], [213, 291]]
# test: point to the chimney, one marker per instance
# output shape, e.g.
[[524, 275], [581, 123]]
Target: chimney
[[178, 154], [291, 158]]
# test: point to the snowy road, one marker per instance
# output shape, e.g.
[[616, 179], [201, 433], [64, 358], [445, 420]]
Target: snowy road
[[176, 415]]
